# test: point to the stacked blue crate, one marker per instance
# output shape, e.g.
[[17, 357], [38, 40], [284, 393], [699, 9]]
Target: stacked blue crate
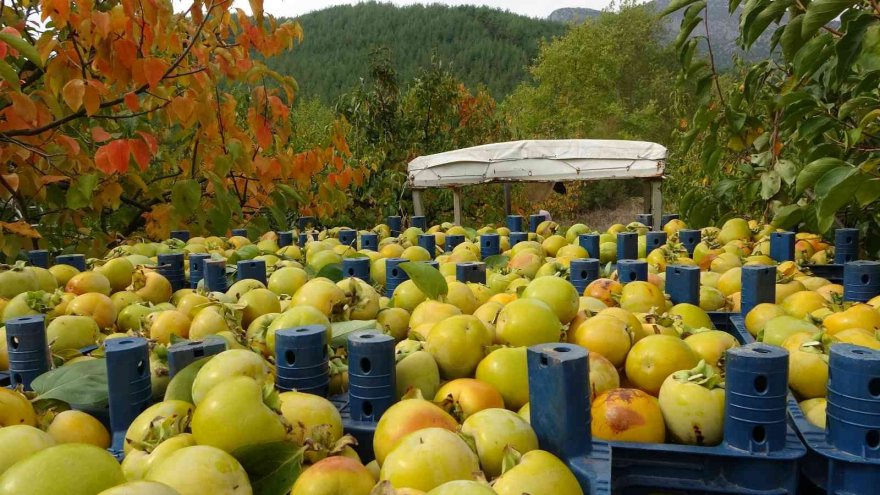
[[845, 457], [251, 270], [302, 360], [371, 381], [590, 242], [77, 261], [514, 223], [559, 403], [419, 222], [474, 272], [759, 453], [516, 237], [369, 241], [582, 272], [394, 275], [490, 245], [429, 243], [347, 237], [356, 267]]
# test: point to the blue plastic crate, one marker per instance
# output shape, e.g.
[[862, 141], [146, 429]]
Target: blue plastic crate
[[835, 471], [738, 324], [833, 272], [721, 319], [362, 431], [5, 379], [560, 411], [643, 468]]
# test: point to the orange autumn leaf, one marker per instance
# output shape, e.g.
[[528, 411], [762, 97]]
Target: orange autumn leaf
[[141, 152], [151, 141], [154, 69], [24, 107], [132, 102], [113, 157], [92, 100], [101, 23], [125, 51], [99, 135], [21, 228], [264, 135], [73, 93]]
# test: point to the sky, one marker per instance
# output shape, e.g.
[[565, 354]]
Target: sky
[[531, 8]]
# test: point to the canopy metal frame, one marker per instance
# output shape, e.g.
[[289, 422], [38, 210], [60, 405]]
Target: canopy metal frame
[[540, 161]]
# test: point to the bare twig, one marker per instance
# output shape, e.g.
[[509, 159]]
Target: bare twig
[[712, 57]]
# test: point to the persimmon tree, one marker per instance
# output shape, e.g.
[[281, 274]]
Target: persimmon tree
[[122, 116], [796, 138]]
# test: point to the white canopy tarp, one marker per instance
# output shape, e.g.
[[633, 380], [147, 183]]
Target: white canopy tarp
[[539, 161]]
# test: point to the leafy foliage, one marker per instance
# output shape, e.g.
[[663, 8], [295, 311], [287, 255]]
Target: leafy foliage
[[608, 78], [795, 139], [390, 125], [122, 114]]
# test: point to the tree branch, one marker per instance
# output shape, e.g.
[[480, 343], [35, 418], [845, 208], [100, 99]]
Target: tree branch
[[19, 202], [82, 111], [712, 57], [130, 115]]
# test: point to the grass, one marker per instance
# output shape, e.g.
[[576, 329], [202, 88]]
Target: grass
[[601, 218]]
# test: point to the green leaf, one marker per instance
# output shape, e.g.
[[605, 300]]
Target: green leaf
[[9, 75], [812, 55], [222, 165], [219, 220], [341, 330], [185, 195], [291, 192], [835, 189], [814, 170], [24, 48], [868, 192], [333, 271], [821, 12], [770, 184], [771, 13], [495, 262], [787, 170], [849, 46], [687, 27], [735, 119], [676, 5], [79, 195], [815, 127], [686, 54], [853, 105], [271, 467], [180, 386], [869, 118], [83, 384], [787, 217], [428, 279], [831, 179]]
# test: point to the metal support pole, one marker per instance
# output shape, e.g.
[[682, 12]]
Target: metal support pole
[[417, 203], [657, 204], [507, 198], [456, 206]]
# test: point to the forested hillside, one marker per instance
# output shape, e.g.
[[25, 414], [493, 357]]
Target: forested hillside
[[484, 46]]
